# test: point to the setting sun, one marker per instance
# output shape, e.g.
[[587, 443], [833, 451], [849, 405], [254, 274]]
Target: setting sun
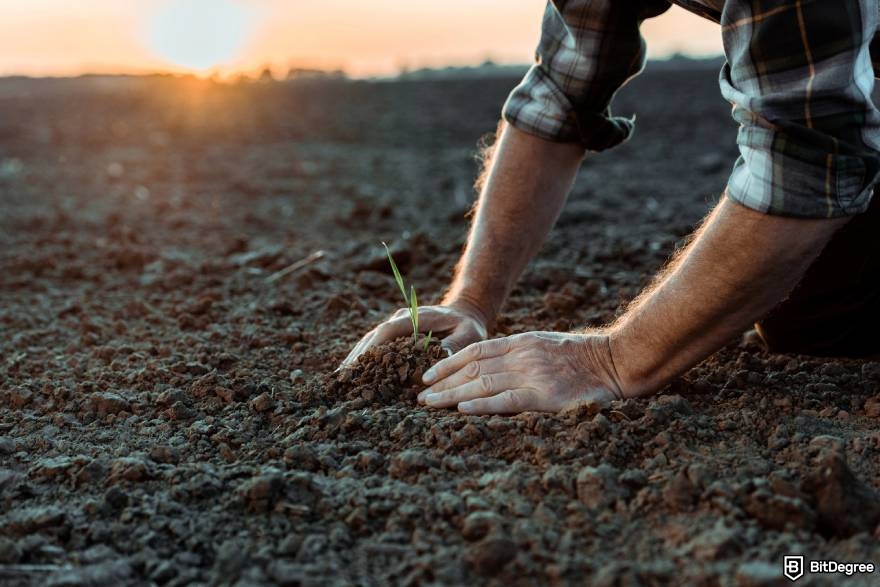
[[199, 34]]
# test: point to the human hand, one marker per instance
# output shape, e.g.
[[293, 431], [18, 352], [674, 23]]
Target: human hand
[[455, 325], [534, 371]]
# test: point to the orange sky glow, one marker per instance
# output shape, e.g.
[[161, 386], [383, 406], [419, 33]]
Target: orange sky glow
[[378, 37]]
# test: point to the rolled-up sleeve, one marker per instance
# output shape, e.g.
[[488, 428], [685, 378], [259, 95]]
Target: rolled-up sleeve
[[588, 50], [799, 76]]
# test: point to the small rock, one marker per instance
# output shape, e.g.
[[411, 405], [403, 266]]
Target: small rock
[[872, 407], [297, 376], [261, 492], [302, 456], [775, 512], [718, 543], [129, 469], [165, 454], [844, 504], [871, 371], [410, 462], [7, 445], [104, 403], [231, 557], [290, 545], [597, 486], [478, 524], [263, 403], [50, 468], [30, 520], [491, 555], [116, 498]]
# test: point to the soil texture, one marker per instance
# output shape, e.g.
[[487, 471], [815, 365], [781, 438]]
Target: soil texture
[[170, 412]]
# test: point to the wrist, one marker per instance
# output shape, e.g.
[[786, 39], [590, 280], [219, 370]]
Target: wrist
[[599, 363], [473, 308], [633, 380]]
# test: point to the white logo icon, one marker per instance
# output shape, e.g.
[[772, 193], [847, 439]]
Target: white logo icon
[[793, 567]]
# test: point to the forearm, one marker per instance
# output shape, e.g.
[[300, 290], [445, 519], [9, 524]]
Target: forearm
[[527, 184], [740, 265]]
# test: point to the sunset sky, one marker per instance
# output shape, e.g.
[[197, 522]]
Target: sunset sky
[[375, 37]]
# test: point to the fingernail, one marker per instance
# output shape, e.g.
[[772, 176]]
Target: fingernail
[[432, 398], [421, 397], [465, 407], [429, 375]]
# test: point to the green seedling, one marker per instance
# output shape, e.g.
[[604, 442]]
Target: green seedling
[[412, 302], [428, 340]]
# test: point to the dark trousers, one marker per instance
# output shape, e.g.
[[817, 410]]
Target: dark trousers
[[835, 310]]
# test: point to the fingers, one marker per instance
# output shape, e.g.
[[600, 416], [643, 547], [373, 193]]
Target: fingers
[[470, 372], [481, 387], [437, 319], [357, 350], [512, 401], [384, 332], [480, 350]]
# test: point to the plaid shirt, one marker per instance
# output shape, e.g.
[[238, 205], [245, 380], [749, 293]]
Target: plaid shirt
[[799, 75]]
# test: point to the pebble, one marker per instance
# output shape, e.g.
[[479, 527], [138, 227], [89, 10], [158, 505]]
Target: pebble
[[411, 462], [597, 486], [716, 543], [7, 445], [129, 469], [104, 403], [478, 524], [871, 371], [259, 493], [30, 520], [491, 554], [872, 407], [263, 403]]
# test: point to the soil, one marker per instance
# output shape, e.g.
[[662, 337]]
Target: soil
[[171, 412]]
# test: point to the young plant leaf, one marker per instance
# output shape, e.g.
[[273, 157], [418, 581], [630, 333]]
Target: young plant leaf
[[428, 340], [414, 310], [397, 276]]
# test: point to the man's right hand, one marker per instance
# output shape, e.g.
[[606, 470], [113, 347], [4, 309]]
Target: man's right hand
[[456, 326]]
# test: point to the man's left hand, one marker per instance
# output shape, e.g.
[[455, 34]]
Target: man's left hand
[[534, 371]]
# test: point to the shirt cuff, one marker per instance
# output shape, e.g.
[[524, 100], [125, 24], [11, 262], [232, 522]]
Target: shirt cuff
[[538, 107], [800, 181]]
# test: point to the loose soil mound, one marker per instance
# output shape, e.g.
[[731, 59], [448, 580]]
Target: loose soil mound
[[391, 372]]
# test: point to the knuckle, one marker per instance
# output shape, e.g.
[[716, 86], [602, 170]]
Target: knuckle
[[472, 352], [485, 384], [472, 370]]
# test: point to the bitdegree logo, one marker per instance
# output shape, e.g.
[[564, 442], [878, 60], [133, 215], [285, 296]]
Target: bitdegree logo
[[793, 567], [844, 568]]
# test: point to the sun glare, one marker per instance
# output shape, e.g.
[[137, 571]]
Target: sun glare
[[199, 34]]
